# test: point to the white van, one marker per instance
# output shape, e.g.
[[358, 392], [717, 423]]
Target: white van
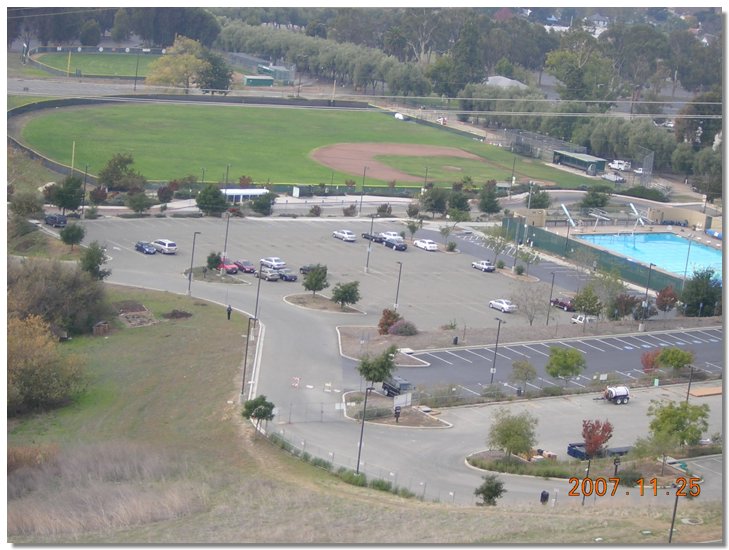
[[165, 246]]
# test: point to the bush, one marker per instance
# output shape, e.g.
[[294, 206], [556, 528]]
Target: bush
[[413, 210], [350, 211], [351, 477], [92, 213], [520, 270], [629, 478], [384, 210], [500, 264], [315, 211], [644, 193], [381, 485], [450, 246], [320, 463], [552, 391], [389, 318], [403, 328]]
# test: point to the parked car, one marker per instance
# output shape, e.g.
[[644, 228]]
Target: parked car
[[396, 243], [426, 244], [396, 385], [563, 303], [230, 268], [273, 262], [483, 265], [304, 269], [244, 266], [389, 235], [638, 171], [268, 273], [145, 248], [56, 220], [344, 234], [374, 237], [582, 319], [165, 246], [505, 306], [287, 274]]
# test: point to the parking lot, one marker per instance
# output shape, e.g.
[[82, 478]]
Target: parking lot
[[436, 288]]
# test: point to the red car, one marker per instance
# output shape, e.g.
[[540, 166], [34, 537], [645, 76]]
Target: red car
[[244, 266], [563, 303], [230, 269]]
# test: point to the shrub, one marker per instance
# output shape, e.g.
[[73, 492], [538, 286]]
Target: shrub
[[351, 477], [500, 264], [403, 328], [213, 260], [629, 478], [644, 193], [413, 210], [315, 211], [552, 391], [350, 211], [451, 246], [389, 318], [320, 463], [520, 270], [381, 485], [384, 210]]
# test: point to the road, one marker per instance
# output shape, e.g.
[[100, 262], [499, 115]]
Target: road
[[301, 369]]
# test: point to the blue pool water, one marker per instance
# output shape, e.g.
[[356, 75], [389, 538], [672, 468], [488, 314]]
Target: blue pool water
[[665, 250]]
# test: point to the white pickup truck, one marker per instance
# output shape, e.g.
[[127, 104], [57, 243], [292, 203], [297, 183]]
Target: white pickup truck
[[623, 165], [582, 319]]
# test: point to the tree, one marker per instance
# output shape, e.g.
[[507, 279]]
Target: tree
[[683, 421], [540, 199], [72, 234], [90, 33], [666, 299], [165, 194], [258, 409], [39, 375], [413, 227], [513, 433], [622, 306], [565, 362], [138, 202], [488, 202], [26, 205], [587, 301], [522, 372], [675, 358], [649, 360], [389, 318], [702, 294], [458, 201], [595, 198], [213, 260], [531, 299], [215, 73], [527, 256], [98, 195], [68, 195], [118, 174], [445, 231], [435, 200], [596, 434], [379, 368], [92, 258], [346, 293], [491, 489], [497, 239], [263, 204], [316, 279], [211, 200], [179, 67]]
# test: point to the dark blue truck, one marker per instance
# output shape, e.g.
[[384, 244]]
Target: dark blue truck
[[577, 450]]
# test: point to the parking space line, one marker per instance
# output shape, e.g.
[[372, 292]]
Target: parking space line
[[533, 386], [576, 383], [469, 389], [626, 374], [537, 351], [664, 342], [593, 347], [681, 341], [438, 357], [476, 354], [611, 345], [642, 343], [515, 351], [547, 381], [573, 347], [717, 367], [459, 357]]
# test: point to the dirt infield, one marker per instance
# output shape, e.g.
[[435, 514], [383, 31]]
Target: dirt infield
[[353, 157]]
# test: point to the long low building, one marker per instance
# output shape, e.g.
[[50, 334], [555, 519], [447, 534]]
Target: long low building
[[240, 195]]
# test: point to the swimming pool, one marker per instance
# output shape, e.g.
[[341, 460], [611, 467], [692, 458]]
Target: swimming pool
[[664, 250]]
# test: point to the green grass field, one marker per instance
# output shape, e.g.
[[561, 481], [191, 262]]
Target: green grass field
[[267, 144], [101, 64]]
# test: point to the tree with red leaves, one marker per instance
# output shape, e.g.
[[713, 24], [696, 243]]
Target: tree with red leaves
[[649, 360], [596, 434]]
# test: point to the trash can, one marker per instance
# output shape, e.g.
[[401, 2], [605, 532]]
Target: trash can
[[519, 392], [544, 497], [455, 340]]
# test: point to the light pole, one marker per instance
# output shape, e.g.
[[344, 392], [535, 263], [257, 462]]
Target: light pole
[[685, 269], [225, 244], [691, 377], [425, 182], [496, 349], [369, 245], [645, 302], [567, 238], [203, 176], [192, 256], [245, 357], [361, 430], [258, 291], [227, 169], [549, 306], [361, 195], [83, 197], [136, 72], [397, 292]]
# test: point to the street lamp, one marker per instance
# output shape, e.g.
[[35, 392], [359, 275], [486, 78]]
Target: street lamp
[[136, 71], [192, 256], [258, 291], [645, 302], [225, 244], [83, 197], [361, 430], [549, 306], [245, 357], [203, 176], [685, 269], [496, 349], [361, 195], [369, 245], [397, 292], [567, 238]]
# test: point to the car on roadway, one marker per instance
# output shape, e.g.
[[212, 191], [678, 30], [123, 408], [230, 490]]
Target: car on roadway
[[484, 265], [374, 237], [145, 247], [165, 246], [503, 305], [287, 274], [274, 262], [426, 244], [563, 303], [229, 267], [345, 234], [244, 266], [396, 243], [384, 235], [56, 220], [268, 273]]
